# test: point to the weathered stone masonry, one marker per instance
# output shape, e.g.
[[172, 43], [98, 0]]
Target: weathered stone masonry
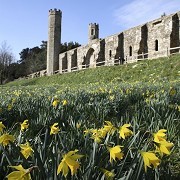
[[54, 40], [150, 40]]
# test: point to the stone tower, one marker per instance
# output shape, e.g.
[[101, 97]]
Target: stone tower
[[54, 40], [93, 31]]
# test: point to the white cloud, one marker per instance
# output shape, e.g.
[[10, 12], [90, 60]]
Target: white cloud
[[138, 12]]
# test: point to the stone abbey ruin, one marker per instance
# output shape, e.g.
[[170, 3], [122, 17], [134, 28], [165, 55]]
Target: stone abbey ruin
[[157, 38]]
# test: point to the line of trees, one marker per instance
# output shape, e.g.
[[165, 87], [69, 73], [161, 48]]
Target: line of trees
[[31, 60]]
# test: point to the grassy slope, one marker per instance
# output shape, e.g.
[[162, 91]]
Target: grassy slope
[[162, 69]]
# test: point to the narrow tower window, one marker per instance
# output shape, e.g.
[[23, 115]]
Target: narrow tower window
[[92, 31], [130, 51], [156, 45], [110, 53]]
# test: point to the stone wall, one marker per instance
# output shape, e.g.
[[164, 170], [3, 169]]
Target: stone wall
[[112, 44], [100, 59], [132, 39], [175, 34], [63, 62], [72, 59], [159, 32], [150, 40], [89, 54]]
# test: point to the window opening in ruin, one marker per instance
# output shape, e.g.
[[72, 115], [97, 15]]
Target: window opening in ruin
[[156, 23], [130, 51], [156, 45], [92, 31], [110, 53]]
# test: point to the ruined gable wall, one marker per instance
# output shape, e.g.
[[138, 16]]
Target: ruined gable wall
[[132, 38], [111, 46], [159, 30]]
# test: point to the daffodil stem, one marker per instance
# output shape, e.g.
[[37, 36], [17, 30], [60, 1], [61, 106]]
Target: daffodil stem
[[55, 158], [19, 137], [45, 144], [62, 142], [33, 167], [10, 161], [139, 167]]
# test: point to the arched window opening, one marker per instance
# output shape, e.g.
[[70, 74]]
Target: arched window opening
[[130, 51], [156, 45], [110, 53], [92, 31]]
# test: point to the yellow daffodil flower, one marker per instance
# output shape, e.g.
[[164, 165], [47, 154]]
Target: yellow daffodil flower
[[110, 91], [160, 135], [24, 125], [97, 138], [115, 152], [26, 150], [13, 100], [172, 91], [164, 147], [55, 103], [124, 131], [111, 98], [102, 132], [178, 108], [2, 126], [5, 139], [64, 102], [54, 129], [149, 159], [96, 135], [128, 91], [109, 127], [109, 175], [69, 161], [21, 174], [9, 107], [78, 125]]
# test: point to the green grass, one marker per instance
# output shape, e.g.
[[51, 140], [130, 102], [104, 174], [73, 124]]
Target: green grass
[[144, 94], [148, 108], [162, 69]]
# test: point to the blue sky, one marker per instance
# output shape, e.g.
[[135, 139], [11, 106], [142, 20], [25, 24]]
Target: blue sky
[[24, 23]]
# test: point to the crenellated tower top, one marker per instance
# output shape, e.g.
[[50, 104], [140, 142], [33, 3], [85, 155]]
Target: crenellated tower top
[[55, 11], [93, 31]]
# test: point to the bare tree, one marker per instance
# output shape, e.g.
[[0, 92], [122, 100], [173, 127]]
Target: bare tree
[[6, 58]]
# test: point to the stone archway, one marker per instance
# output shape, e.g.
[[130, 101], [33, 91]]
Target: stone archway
[[89, 59]]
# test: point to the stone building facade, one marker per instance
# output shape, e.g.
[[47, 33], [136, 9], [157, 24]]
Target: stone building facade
[[150, 40]]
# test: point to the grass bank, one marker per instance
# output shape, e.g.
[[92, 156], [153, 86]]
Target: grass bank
[[162, 69]]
